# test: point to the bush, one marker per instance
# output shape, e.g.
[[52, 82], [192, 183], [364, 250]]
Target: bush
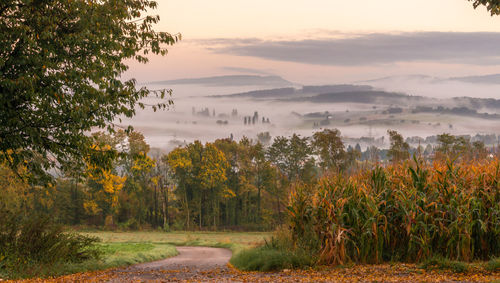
[[438, 262], [493, 264], [30, 244], [276, 254]]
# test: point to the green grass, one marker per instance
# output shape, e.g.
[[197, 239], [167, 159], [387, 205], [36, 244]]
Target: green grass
[[277, 253], [113, 255], [243, 238], [493, 264], [127, 248], [235, 241], [267, 258], [445, 264]]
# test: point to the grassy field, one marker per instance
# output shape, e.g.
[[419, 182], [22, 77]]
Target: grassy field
[[235, 241]]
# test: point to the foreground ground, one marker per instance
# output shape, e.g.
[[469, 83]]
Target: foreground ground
[[201, 264], [369, 273]]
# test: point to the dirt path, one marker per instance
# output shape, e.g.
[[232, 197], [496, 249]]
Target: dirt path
[[200, 264], [191, 263]]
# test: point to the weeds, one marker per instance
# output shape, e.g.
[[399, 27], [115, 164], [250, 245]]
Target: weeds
[[31, 244], [493, 265], [276, 254], [442, 263]]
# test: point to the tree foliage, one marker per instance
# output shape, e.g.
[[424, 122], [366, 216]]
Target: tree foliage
[[493, 6], [330, 148], [60, 67], [399, 149]]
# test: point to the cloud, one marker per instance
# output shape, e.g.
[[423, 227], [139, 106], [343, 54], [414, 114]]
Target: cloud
[[246, 70], [475, 48]]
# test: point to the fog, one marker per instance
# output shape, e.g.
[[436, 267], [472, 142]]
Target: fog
[[421, 85], [178, 125]]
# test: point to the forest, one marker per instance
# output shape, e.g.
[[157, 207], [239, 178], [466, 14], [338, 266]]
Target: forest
[[225, 184]]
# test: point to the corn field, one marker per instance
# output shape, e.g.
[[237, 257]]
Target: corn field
[[408, 212]]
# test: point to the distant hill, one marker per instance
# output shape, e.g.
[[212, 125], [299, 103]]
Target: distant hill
[[488, 79], [361, 97], [268, 93], [236, 80], [363, 94], [305, 91], [335, 88]]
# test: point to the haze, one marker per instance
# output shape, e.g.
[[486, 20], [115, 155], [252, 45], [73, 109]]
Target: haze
[[418, 48]]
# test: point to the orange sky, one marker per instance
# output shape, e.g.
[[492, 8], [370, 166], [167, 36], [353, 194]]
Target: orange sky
[[300, 19]]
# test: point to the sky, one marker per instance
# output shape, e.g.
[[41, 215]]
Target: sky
[[324, 41]]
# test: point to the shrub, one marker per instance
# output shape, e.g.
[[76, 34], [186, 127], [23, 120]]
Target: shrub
[[29, 244], [438, 262], [277, 254], [493, 264]]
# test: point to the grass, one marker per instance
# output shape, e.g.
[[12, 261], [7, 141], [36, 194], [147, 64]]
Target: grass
[[235, 241], [277, 253], [266, 259], [493, 264], [446, 264], [113, 255], [126, 248]]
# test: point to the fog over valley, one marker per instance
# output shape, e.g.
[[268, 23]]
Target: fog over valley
[[234, 106]]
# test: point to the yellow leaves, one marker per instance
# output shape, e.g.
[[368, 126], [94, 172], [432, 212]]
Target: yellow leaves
[[179, 159], [155, 180], [400, 272], [142, 163], [112, 183], [228, 193], [91, 207]]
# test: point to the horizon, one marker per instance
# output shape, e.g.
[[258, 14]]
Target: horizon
[[325, 42]]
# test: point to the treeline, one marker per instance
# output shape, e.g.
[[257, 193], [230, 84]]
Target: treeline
[[224, 184]]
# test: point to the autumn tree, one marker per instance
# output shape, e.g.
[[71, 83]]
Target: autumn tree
[[181, 164], [60, 68], [329, 147], [103, 182], [213, 178], [399, 149]]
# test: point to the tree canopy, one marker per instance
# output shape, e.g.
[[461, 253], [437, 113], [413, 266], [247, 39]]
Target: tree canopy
[[60, 67], [493, 6]]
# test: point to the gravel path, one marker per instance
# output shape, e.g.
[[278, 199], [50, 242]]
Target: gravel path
[[191, 263]]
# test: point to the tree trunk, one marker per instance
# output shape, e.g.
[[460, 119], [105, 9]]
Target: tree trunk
[[201, 216], [215, 213], [187, 208]]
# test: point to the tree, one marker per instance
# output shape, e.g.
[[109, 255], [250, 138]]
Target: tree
[[452, 147], [493, 6], [290, 155], [181, 165], [330, 148], [60, 67], [399, 149], [213, 178]]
